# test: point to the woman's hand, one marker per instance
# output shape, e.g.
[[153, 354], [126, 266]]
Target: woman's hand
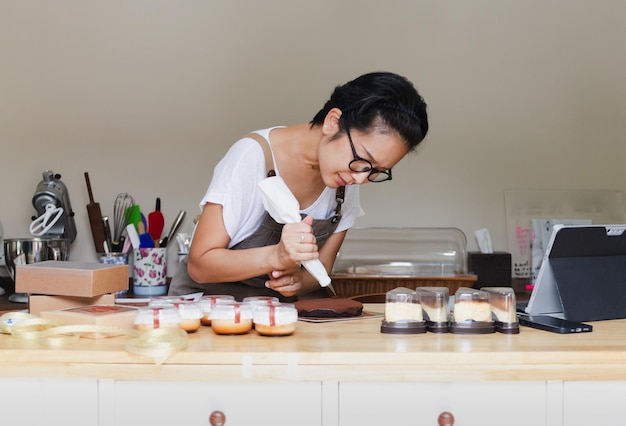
[[287, 282], [297, 244]]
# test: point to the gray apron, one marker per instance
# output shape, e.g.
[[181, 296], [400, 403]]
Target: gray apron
[[268, 233]]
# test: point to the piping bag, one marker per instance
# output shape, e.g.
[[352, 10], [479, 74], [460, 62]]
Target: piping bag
[[284, 208]]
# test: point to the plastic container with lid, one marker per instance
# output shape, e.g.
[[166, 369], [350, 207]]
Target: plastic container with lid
[[207, 302], [503, 309], [149, 318], [376, 260], [434, 301], [275, 319], [403, 312], [231, 318], [472, 312]]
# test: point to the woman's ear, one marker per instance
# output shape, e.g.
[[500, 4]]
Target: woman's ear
[[331, 122]]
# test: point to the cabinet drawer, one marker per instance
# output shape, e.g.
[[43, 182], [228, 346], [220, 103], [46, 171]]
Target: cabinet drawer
[[35, 402], [191, 403], [594, 403], [410, 404]]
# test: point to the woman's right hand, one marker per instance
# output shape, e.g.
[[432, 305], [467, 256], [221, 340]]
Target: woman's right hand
[[297, 243]]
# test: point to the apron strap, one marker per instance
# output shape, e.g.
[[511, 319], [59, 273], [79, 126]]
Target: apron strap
[[339, 197], [265, 145]]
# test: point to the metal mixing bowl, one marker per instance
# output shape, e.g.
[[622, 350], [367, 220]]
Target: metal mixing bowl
[[22, 251]]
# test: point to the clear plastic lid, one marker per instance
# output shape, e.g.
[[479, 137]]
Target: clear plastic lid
[[434, 302], [208, 301], [402, 304], [402, 252], [503, 304], [236, 311], [194, 297], [471, 305], [186, 310], [272, 314], [260, 300], [161, 302], [157, 317]]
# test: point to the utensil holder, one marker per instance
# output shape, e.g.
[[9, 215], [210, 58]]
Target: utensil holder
[[150, 271]]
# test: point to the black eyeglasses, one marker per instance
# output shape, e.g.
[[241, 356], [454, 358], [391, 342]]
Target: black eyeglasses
[[361, 165]]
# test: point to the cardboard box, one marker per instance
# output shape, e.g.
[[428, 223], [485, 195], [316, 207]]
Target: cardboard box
[[80, 279], [99, 315], [38, 303]]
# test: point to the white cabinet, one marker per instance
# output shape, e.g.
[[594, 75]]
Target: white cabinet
[[594, 403], [36, 402], [191, 403], [410, 404]]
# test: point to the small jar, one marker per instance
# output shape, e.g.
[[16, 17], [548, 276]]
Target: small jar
[[231, 318], [149, 318], [190, 312], [275, 319], [403, 312], [208, 301]]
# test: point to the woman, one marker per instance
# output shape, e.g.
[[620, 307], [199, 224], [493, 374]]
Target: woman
[[366, 127]]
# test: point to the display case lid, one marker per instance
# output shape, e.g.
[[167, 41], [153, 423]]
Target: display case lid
[[402, 252]]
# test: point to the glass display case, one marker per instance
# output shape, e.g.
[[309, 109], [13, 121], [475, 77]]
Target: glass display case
[[372, 261]]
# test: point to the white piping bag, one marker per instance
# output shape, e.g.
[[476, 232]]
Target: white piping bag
[[284, 208]]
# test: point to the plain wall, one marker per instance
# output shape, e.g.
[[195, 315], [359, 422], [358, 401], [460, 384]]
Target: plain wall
[[147, 96]]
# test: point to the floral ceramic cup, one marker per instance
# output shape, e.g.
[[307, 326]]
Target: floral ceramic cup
[[150, 272]]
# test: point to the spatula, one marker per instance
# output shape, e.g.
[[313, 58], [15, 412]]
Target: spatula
[[156, 222], [145, 240], [133, 216]]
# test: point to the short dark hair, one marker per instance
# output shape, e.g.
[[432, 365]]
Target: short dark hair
[[379, 98]]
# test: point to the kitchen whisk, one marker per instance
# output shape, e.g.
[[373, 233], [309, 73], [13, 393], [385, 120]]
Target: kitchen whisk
[[122, 202]]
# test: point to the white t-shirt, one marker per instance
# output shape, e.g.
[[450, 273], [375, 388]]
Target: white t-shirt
[[234, 186]]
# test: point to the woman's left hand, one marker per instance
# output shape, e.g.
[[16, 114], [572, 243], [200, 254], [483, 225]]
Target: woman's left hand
[[286, 282]]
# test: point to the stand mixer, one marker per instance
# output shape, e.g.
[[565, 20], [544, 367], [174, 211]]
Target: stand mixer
[[52, 202], [53, 229]]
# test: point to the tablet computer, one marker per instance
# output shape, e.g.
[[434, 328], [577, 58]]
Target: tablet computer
[[583, 274]]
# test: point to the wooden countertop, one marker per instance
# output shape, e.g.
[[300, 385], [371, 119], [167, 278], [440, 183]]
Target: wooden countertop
[[338, 351]]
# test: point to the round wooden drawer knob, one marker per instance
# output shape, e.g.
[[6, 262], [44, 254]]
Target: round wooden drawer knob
[[446, 419], [217, 418]]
